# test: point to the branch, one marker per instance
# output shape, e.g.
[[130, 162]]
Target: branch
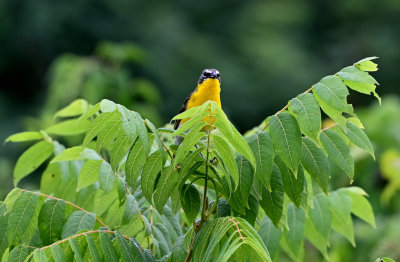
[[68, 203]]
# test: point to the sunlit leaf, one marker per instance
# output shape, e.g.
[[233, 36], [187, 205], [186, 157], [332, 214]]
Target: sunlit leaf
[[308, 114], [31, 159], [263, 151], [286, 136]]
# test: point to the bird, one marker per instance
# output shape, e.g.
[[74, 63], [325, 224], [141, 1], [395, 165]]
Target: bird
[[208, 88]]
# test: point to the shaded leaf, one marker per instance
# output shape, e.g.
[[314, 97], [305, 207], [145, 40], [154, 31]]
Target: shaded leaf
[[315, 163], [272, 202], [292, 186], [190, 199]]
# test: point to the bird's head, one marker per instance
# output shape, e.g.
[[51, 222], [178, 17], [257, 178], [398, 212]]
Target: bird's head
[[209, 73]]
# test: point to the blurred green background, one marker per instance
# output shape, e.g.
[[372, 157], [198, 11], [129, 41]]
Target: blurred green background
[[148, 55]]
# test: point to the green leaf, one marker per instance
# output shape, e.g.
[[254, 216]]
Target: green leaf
[[120, 149], [3, 228], [357, 136], [76, 153], [315, 163], [107, 106], [367, 65], [221, 238], [109, 132], [69, 127], [149, 174], [308, 114], [263, 151], [338, 151], [166, 184], [92, 248], [75, 248], [98, 125], [190, 199], [21, 215], [195, 120], [130, 209], [158, 139], [227, 156], [340, 206], [107, 248], [270, 236], [318, 225], [223, 208], [128, 122], [190, 112], [245, 179], [106, 177], [361, 207], [189, 142], [93, 110], [252, 211], [18, 254], [31, 159], [76, 108], [335, 115], [78, 221], [272, 202], [51, 220], [135, 162], [142, 131], [124, 249], [358, 80], [293, 186], [57, 253], [89, 174], [39, 255], [232, 136], [334, 93], [24, 136], [295, 235], [286, 137], [384, 259]]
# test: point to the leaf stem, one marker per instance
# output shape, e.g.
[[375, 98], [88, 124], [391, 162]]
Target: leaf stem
[[204, 216], [68, 203], [285, 107], [75, 236]]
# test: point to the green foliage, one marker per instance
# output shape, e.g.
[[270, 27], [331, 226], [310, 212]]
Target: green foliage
[[118, 194]]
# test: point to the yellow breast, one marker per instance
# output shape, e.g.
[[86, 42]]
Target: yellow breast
[[209, 89]]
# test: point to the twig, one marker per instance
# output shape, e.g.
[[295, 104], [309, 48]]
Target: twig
[[68, 203], [335, 124], [285, 107]]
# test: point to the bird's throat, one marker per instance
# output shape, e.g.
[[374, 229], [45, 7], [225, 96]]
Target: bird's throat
[[208, 90]]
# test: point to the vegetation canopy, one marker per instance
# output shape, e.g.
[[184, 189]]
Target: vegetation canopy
[[127, 192]]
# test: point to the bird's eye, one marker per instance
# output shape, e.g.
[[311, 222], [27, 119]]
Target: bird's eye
[[217, 74], [206, 74]]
